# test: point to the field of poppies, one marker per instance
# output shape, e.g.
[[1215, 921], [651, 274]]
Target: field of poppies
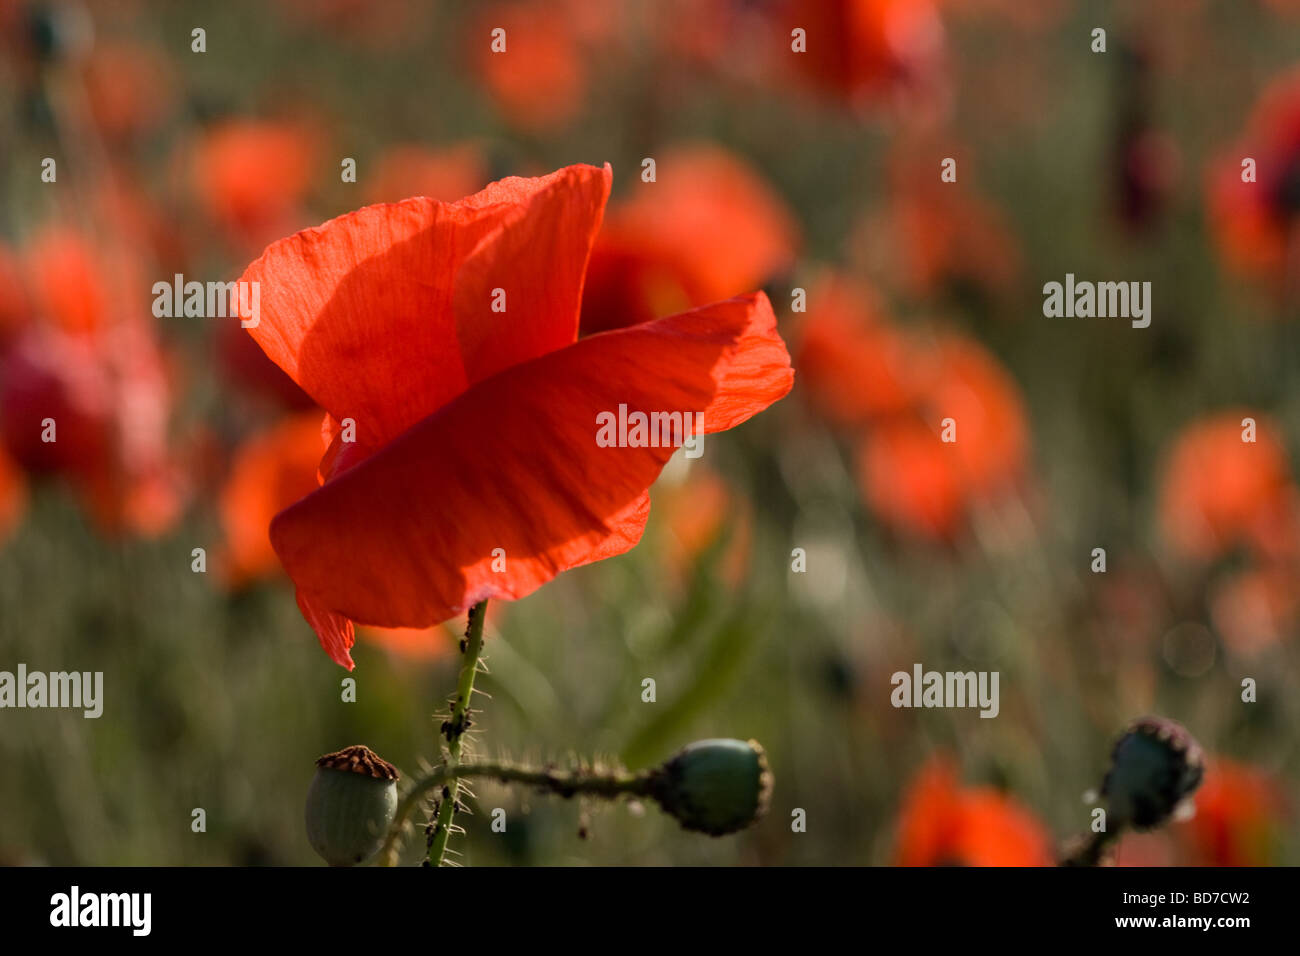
[[911, 387]]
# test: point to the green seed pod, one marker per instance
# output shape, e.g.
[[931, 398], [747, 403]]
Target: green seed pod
[[1154, 767], [350, 805], [714, 786]]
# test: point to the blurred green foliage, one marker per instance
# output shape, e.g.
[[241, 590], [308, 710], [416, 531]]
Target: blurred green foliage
[[223, 702]]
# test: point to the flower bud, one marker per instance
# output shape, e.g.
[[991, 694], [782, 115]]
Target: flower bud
[[1154, 767], [714, 786], [350, 805]]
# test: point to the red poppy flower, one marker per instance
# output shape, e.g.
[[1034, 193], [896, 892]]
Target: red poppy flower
[[475, 470], [709, 227], [965, 382], [943, 823], [539, 80], [854, 364], [1258, 223], [88, 363], [919, 483], [69, 280], [1220, 492], [909, 479], [864, 51], [107, 405], [1238, 812], [252, 175], [270, 471]]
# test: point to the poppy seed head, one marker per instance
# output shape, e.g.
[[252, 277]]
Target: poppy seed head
[[1155, 765], [715, 786], [359, 759]]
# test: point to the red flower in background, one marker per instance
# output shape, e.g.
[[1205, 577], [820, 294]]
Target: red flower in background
[[708, 228], [854, 364], [1256, 222], [251, 177], [540, 80], [962, 380], [1220, 492], [943, 823], [908, 477], [475, 430], [866, 51], [83, 392], [893, 391], [919, 483], [1239, 810], [270, 471], [69, 281]]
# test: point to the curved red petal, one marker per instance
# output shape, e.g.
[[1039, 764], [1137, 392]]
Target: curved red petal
[[505, 487], [334, 631], [385, 314]]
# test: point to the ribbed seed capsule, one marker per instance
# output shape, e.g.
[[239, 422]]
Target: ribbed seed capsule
[[715, 786], [350, 805], [1155, 766]]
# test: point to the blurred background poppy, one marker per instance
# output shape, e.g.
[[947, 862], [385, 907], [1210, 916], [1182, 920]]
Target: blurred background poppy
[[136, 543]]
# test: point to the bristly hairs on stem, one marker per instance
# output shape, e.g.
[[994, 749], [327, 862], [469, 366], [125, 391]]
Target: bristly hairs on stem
[[609, 784], [453, 729]]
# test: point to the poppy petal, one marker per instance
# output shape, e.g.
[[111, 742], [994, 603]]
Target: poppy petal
[[365, 313], [409, 537], [533, 263], [334, 631]]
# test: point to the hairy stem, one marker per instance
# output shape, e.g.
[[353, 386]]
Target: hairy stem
[[1092, 850], [454, 730], [568, 783]]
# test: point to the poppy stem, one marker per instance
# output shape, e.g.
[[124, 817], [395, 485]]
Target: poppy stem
[[1092, 850], [565, 783], [471, 648]]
